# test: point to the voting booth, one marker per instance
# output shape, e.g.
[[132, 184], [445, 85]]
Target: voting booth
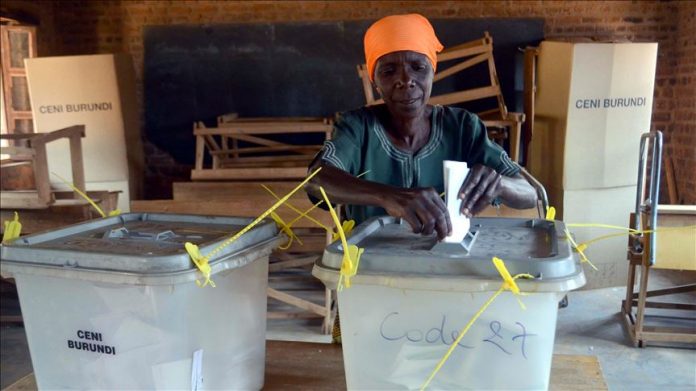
[[594, 100], [97, 91]]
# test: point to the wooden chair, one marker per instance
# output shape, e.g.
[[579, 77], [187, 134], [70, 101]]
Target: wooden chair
[[244, 148], [469, 54], [35, 152]]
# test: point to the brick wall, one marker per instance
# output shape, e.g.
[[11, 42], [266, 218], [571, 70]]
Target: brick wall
[[81, 27], [680, 85]]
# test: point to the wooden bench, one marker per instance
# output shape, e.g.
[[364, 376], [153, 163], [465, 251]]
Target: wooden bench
[[249, 148]]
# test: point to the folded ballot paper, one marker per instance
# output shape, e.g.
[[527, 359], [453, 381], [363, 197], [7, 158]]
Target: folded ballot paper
[[455, 173]]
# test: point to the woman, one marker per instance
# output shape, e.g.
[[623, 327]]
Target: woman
[[399, 146]]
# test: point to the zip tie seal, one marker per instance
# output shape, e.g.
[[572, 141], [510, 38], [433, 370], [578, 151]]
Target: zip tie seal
[[12, 229], [114, 212], [351, 253]]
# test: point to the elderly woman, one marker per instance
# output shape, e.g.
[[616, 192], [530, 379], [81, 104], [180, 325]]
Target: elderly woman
[[400, 145]]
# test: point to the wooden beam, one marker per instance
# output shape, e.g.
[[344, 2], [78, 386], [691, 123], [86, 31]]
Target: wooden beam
[[297, 262], [292, 315], [75, 130], [461, 66], [23, 199], [265, 128], [464, 52], [296, 301], [306, 149], [78, 170], [23, 152], [465, 96], [250, 173], [249, 207]]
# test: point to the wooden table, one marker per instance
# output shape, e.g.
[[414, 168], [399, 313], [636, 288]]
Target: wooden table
[[314, 366]]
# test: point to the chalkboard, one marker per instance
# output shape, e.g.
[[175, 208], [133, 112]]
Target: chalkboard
[[195, 73]]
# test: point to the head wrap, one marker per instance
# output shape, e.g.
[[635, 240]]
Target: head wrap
[[400, 32]]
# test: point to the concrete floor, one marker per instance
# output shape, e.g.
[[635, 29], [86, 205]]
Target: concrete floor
[[591, 325]]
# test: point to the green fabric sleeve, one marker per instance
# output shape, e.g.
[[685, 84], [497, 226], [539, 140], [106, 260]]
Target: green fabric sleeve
[[343, 151], [484, 151]]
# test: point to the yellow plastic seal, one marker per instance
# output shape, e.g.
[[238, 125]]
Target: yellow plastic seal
[[550, 213], [351, 253], [12, 229], [114, 212], [579, 250], [201, 263], [285, 228], [347, 226], [301, 214]]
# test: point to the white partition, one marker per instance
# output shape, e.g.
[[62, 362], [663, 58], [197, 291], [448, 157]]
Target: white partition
[[594, 100], [97, 91]]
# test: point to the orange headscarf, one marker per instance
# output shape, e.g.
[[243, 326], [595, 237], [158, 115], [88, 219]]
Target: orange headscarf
[[400, 32]]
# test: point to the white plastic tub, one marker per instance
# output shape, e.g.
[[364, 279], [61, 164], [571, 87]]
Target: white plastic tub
[[409, 301], [113, 303]]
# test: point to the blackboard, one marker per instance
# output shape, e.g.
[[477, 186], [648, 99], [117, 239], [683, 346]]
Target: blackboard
[[197, 72]]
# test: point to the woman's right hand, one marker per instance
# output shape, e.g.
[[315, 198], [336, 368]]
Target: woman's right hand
[[422, 208]]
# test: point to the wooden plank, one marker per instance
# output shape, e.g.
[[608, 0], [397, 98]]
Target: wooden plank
[[296, 301], [236, 191], [195, 191], [576, 372], [464, 52], [265, 128], [530, 54], [297, 262], [265, 159], [43, 184], [17, 176], [11, 319], [300, 366], [285, 147], [18, 152], [291, 315], [367, 85], [465, 96], [235, 119], [461, 66], [515, 131], [506, 211], [38, 220], [19, 136], [670, 179], [22, 199], [310, 244], [78, 170], [249, 173], [667, 335], [662, 305], [664, 210], [240, 208], [303, 162], [75, 130]]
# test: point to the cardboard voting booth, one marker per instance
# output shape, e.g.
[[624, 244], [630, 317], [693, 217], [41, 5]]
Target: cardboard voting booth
[[97, 91], [594, 100]]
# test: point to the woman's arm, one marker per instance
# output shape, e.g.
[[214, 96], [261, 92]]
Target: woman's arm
[[484, 184], [422, 208]]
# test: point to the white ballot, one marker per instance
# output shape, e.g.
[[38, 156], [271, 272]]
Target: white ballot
[[455, 173]]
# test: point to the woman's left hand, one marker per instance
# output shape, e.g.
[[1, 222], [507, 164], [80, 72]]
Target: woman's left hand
[[481, 186]]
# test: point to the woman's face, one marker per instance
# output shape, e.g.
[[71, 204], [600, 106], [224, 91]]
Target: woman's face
[[405, 80]]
